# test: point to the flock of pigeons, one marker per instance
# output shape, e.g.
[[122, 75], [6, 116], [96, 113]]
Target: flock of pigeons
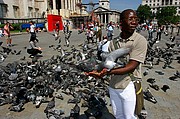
[[165, 55], [49, 80]]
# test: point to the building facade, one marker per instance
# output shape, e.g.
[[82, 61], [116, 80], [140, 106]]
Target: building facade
[[38, 8], [156, 4], [105, 14], [22, 8]]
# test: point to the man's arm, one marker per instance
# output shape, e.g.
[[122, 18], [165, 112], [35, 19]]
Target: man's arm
[[129, 68]]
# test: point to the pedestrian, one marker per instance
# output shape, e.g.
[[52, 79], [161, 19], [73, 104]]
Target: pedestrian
[[90, 35], [110, 30], [33, 49], [1, 32], [103, 48], [98, 32], [32, 29], [150, 31], [56, 30], [7, 28], [121, 87], [159, 32]]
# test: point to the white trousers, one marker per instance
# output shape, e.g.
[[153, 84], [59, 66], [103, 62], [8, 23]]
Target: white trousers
[[123, 102]]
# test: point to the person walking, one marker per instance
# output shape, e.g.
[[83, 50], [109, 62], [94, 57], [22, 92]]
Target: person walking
[[110, 30], [7, 28], [159, 32], [121, 87], [33, 49], [32, 29], [98, 32]]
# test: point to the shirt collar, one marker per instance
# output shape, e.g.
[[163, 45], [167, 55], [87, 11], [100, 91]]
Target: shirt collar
[[129, 39]]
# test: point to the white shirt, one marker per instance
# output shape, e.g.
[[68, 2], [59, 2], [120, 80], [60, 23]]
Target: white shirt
[[32, 28], [105, 47]]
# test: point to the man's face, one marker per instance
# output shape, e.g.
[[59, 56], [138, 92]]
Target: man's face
[[130, 22]]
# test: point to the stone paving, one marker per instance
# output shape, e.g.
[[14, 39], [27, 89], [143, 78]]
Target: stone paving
[[168, 103]]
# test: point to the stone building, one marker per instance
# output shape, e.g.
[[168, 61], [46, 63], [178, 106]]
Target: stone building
[[105, 14], [22, 8], [38, 8], [156, 4]]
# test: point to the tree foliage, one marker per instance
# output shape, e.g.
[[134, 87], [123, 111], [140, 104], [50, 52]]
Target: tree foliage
[[144, 13], [167, 15]]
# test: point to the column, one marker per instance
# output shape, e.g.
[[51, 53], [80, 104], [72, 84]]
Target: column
[[105, 18], [101, 18], [62, 4], [54, 4]]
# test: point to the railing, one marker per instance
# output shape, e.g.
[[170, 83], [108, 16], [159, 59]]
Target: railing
[[14, 20]]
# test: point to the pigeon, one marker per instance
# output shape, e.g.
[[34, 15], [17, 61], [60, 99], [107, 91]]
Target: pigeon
[[56, 112], [74, 113], [172, 38], [151, 80], [159, 72], [146, 72], [173, 78], [113, 56], [23, 58], [16, 108], [148, 96], [154, 86], [18, 53], [38, 101], [1, 43], [2, 58], [165, 88], [177, 74], [50, 105]]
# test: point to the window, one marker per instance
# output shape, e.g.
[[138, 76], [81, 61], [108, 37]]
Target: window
[[30, 12], [36, 14], [16, 11], [3, 10], [175, 3], [146, 1]]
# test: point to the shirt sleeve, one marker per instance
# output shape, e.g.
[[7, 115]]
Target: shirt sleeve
[[139, 50]]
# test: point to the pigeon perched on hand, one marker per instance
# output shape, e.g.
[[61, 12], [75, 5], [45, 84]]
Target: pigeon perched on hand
[[113, 56]]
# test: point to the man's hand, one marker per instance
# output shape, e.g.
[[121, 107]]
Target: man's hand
[[97, 74]]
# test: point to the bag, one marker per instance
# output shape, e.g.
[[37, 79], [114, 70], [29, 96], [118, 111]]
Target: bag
[[139, 97]]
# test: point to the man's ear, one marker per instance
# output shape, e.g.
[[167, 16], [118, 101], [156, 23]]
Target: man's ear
[[120, 23]]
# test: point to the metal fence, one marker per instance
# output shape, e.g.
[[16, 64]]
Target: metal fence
[[14, 20]]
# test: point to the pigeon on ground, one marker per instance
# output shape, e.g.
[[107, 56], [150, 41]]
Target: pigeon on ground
[[151, 80], [50, 105], [154, 86], [159, 72], [16, 108], [1, 43], [148, 96], [165, 88], [18, 53], [146, 72]]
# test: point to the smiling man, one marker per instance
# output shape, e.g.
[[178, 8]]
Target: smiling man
[[121, 87]]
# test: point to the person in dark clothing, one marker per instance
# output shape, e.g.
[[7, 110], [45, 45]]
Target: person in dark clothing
[[33, 49]]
